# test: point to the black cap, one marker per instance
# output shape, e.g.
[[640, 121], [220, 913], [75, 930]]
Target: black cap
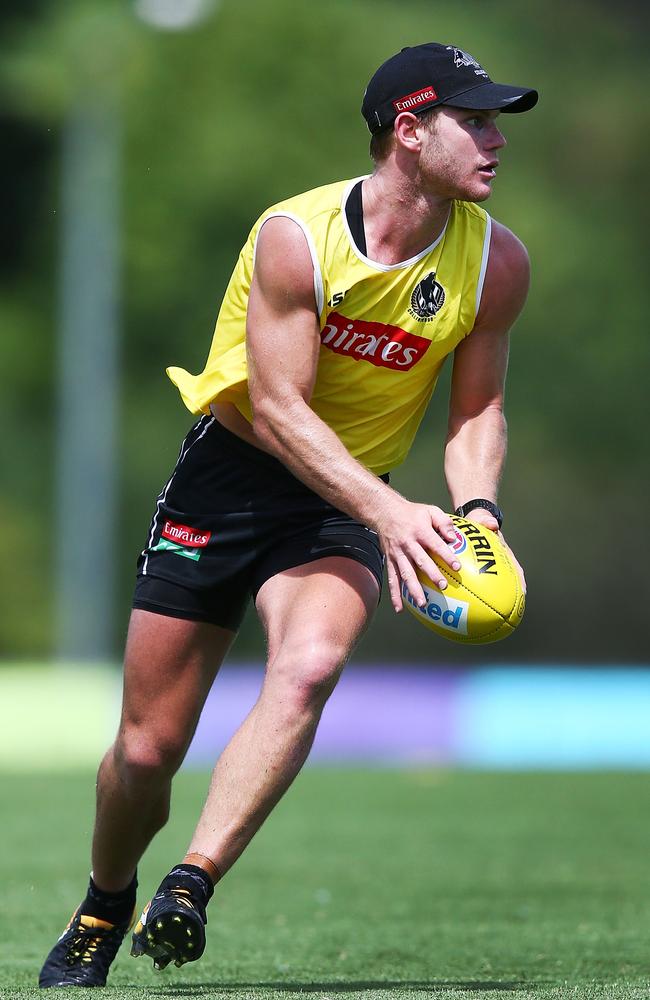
[[423, 76]]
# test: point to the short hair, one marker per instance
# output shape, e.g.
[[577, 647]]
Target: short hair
[[382, 142]]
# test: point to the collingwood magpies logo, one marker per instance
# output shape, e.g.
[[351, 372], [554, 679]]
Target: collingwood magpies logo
[[465, 59], [428, 298]]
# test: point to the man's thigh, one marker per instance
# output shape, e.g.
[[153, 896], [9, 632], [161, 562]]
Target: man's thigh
[[320, 608]]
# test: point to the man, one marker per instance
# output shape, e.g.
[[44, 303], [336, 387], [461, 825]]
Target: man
[[341, 309]]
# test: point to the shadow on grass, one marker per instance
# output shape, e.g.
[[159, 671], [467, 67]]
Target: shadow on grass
[[353, 986]]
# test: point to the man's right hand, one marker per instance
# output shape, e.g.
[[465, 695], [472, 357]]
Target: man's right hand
[[410, 533]]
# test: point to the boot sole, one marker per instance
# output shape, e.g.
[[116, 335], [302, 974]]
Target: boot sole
[[171, 937]]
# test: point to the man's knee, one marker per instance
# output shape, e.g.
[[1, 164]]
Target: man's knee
[[145, 755], [306, 672]]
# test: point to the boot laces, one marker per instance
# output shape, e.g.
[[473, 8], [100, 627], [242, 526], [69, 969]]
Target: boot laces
[[183, 896], [83, 946]]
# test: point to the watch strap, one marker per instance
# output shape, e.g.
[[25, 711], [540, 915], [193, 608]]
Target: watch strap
[[492, 508]]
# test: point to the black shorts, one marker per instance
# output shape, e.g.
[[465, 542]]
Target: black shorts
[[230, 517]]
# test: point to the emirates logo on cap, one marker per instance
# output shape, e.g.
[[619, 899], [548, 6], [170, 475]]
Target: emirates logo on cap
[[415, 100]]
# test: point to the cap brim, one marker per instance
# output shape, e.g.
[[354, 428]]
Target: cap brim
[[495, 96]]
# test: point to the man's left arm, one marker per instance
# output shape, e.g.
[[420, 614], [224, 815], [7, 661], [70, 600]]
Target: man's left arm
[[477, 435]]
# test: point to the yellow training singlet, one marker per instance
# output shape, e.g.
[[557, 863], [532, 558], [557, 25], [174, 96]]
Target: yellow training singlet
[[385, 329]]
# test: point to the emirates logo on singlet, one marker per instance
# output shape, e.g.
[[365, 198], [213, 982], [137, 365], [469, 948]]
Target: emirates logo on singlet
[[382, 345]]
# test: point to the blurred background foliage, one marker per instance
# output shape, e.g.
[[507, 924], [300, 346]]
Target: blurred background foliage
[[259, 101]]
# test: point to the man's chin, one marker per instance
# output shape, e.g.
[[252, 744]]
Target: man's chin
[[477, 194], [474, 197]]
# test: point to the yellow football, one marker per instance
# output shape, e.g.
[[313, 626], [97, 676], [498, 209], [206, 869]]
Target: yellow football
[[484, 601]]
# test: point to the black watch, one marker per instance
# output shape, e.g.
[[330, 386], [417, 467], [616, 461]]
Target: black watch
[[495, 511]]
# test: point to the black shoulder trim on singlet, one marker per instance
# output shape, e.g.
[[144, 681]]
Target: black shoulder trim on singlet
[[354, 215]]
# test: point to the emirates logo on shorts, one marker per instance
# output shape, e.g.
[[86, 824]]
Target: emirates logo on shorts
[[183, 535], [427, 299]]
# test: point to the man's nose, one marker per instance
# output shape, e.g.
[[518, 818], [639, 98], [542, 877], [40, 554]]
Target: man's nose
[[496, 139]]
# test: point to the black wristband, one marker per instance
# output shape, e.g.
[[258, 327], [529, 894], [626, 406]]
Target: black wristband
[[488, 505]]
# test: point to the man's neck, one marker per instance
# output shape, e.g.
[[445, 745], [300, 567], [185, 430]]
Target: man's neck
[[400, 219]]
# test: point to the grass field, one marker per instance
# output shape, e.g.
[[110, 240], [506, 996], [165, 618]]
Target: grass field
[[370, 883]]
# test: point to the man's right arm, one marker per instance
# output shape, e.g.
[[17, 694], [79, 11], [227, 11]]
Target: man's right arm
[[283, 342]]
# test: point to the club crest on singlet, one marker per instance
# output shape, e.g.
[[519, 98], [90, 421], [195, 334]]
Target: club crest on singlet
[[427, 298]]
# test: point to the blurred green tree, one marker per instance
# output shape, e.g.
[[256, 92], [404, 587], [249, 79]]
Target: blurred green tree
[[262, 101]]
